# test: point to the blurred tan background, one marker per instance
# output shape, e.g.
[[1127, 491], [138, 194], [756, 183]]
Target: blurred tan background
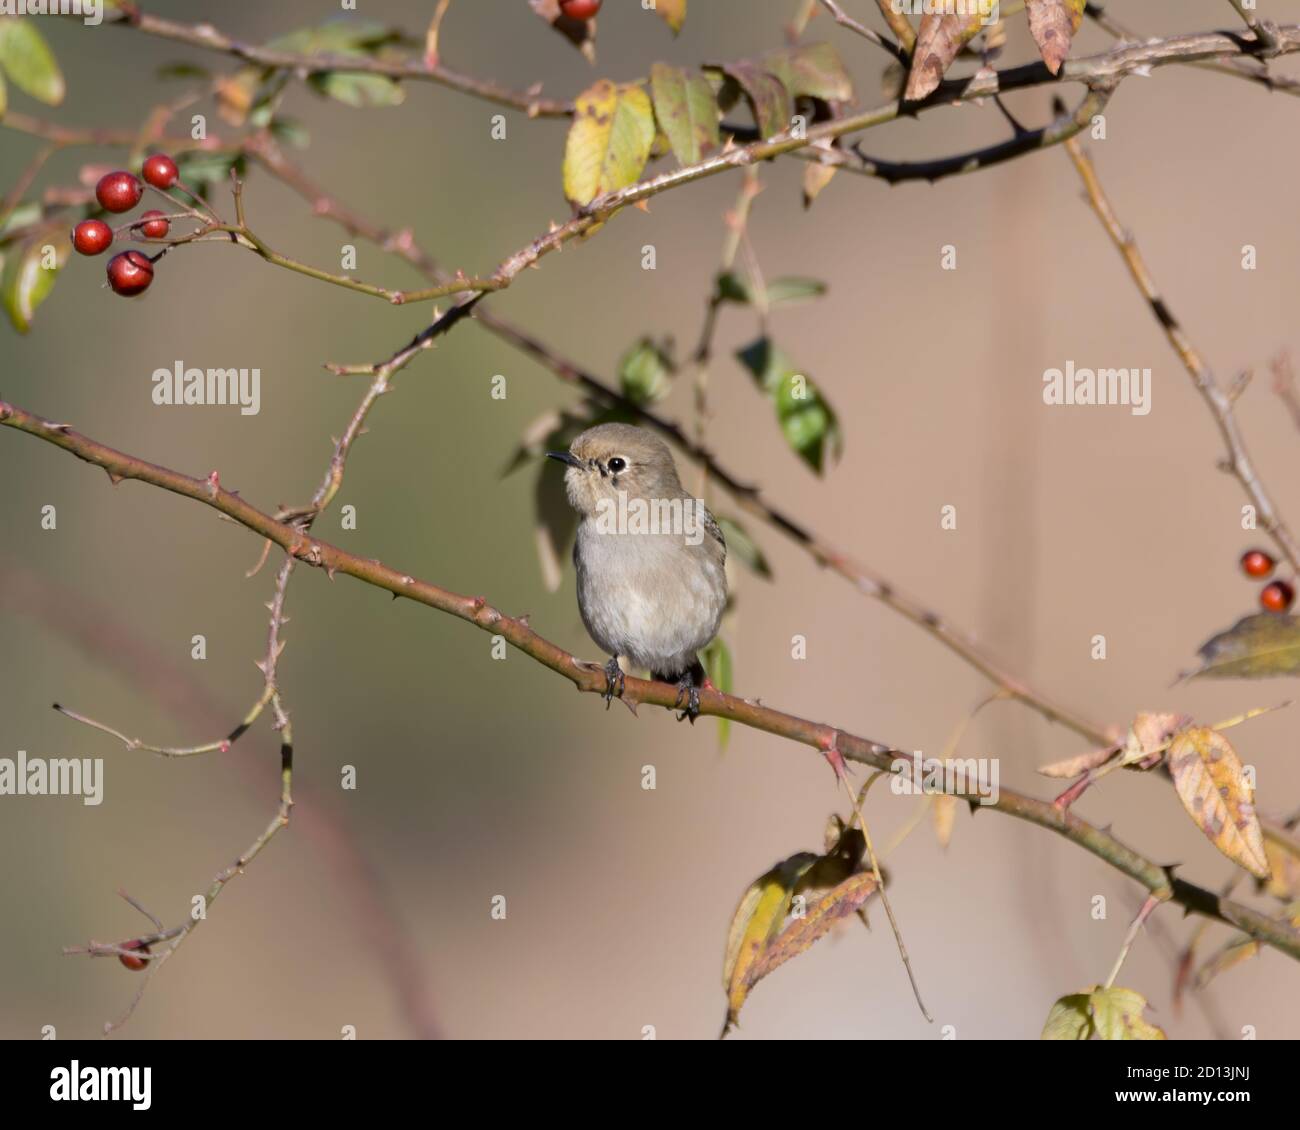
[[478, 778]]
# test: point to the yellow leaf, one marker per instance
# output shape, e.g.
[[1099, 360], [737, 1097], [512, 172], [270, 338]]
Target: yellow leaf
[[1102, 1014], [945, 814], [673, 12], [799, 936], [609, 142], [1213, 787], [1117, 1015], [762, 909], [1068, 1019]]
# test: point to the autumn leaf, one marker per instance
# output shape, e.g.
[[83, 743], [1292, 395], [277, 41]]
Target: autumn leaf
[[673, 13], [1102, 1014], [813, 70], [816, 176], [1261, 646], [771, 102], [944, 815], [609, 142], [1117, 1015], [757, 919], [1214, 789], [937, 43], [1080, 762], [837, 904], [687, 111], [1053, 24]]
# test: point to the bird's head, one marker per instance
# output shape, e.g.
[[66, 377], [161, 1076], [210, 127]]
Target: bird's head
[[612, 459]]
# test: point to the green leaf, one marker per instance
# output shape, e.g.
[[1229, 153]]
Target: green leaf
[[609, 142], [21, 217], [29, 62], [1103, 1014], [794, 289], [291, 131], [1069, 1019], [645, 372], [730, 287], [26, 281], [812, 71], [771, 102], [743, 548], [182, 70], [201, 169], [1261, 646], [336, 37], [4, 95], [717, 665], [359, 90], [1117, 1015], [687, 111], [809, 424]]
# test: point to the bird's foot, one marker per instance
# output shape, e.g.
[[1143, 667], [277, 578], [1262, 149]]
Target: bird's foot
[[686, 689], [614, 681]]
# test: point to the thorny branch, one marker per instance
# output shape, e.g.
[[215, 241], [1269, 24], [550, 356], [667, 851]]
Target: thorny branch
[[589, 678]]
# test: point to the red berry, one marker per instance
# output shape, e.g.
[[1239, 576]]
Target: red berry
[[130, 273], [1256, 563], [118, 192], [581, 10], [91, 237], [154, 224], [160, 171], [1277, 596], [135, 964]]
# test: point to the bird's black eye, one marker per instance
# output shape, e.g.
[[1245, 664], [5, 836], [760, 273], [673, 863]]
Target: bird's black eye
[[617, 464]]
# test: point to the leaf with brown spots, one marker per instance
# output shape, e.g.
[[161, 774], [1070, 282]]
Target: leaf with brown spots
[[1053, 24], [772, 104], [609, 142], [1214, 789], [687, 111], [937, 44]]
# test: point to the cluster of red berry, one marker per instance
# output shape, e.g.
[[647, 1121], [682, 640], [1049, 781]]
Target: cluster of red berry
[[1276, 596], [130, 272]]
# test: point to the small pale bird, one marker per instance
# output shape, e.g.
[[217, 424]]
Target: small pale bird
[[652, 585]]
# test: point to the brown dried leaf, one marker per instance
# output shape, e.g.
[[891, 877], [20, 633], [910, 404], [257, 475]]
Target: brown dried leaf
[[1080, 762], [1213, 787], [937, 44], [1053, 24], [816, 176]]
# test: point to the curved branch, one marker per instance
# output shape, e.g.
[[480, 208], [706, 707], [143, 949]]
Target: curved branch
[[589, 677]]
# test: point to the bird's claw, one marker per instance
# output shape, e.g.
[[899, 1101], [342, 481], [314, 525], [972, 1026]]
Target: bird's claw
[[688, 690], [614, 681]]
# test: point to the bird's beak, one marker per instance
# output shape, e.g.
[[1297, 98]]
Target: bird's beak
[[565, 457]]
